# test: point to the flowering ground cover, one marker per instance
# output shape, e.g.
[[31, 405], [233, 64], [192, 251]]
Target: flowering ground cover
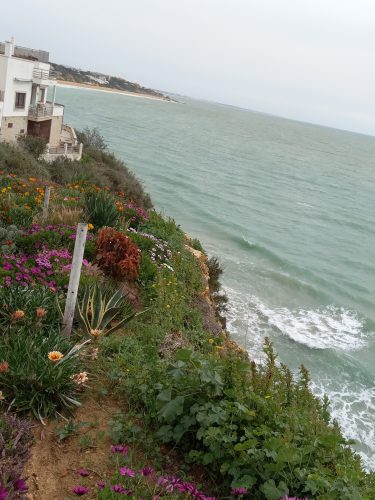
[[198, 418]]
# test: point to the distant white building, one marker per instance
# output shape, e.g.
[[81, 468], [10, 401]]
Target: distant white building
[[24, 109]]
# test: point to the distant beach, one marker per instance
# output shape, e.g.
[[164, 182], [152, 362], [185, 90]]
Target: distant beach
[[66, 84]]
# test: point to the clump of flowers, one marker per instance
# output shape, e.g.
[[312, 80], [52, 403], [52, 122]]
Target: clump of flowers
[[132, 214], [47, 267], [160, 253]]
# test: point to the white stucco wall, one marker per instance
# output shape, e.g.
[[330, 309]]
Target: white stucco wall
[[18, 79]]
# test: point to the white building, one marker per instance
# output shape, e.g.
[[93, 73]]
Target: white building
[[24, 109]]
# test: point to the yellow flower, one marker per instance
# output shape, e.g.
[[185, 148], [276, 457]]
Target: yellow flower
[[90, 226], [267, 396], [219, 347], [211, 341], [55, 356], [168, 306]]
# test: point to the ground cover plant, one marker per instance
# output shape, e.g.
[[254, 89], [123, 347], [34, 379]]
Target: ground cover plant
[[187, 391]]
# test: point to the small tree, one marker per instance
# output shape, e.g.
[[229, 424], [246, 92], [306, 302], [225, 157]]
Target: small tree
[[92, 138]]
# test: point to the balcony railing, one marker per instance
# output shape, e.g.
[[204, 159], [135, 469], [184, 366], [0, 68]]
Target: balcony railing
[[41, 74], [40, 110]]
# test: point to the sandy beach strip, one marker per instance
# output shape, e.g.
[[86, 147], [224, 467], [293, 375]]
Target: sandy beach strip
[[86, 86]]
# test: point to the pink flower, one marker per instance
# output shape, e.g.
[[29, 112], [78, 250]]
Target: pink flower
[[147, 471], [83, 472], [125, 471], [80, 490], [238, 491], [119, 448]]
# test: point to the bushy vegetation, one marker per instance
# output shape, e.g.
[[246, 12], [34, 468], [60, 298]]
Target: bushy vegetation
[[34, 145], [255, 431], [97, 166]]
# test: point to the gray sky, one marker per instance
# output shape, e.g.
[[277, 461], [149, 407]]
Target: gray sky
[[311, 60]]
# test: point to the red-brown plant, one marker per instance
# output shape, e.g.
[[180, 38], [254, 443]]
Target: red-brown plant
[[116, 254]]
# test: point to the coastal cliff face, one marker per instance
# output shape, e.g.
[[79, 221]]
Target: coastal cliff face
[[170, 405]]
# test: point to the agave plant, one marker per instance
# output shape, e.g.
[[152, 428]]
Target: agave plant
[[99, 308]]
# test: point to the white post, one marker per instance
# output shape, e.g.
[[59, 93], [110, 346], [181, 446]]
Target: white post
[[80, 150], [53, 95], [47, 194], [65, 148], [75, 275]]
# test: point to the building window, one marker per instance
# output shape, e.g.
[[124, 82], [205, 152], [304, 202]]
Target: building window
[[20, 100], [22, 131], [10, 125]]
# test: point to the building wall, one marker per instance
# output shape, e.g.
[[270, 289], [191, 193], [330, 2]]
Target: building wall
[[18, 79], [19, 127], [56, 126]]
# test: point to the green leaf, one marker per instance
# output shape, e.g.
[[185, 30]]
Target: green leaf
[[273, 492], [172, 409]]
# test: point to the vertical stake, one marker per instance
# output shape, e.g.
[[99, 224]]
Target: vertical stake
[[75, 275], [47, 194]]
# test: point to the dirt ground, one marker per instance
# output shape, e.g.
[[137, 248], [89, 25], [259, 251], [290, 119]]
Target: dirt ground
[[52, 468]]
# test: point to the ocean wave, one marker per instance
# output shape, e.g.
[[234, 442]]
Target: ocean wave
[[328, 327]]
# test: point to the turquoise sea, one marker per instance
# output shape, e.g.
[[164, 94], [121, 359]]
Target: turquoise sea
[[289, 209]]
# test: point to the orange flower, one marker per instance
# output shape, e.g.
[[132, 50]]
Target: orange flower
[[1, 396], [40, 312], [90, 226], [17, 315], [4, 367], [55, 356], [95, 333]]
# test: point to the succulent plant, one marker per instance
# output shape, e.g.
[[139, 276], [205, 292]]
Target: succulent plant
[[8, 235]]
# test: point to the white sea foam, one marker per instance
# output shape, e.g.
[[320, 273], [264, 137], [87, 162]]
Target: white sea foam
[[353, 406], [328, 327]]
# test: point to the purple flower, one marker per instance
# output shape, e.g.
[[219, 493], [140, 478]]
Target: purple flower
[[238, 491], [147, 471], [100, 485], [125, 471], [83, 472], [119, 448], [3, 493], [20, 485], [80, 490], [118, 488]]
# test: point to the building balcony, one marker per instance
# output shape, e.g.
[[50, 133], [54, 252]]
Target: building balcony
[[45, 111]]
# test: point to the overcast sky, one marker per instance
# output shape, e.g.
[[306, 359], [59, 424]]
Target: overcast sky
[[312, 60]]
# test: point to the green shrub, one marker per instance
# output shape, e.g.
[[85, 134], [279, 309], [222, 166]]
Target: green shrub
[[17, 161], [101, 210], [34, 145], [33, 382]]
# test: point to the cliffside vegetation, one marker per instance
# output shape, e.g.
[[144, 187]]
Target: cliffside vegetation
[[149, 397]]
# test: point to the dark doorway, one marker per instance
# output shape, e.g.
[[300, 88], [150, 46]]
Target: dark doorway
[[40, 129]]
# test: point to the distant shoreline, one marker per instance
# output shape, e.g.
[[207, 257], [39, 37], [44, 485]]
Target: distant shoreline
[[66, 84]]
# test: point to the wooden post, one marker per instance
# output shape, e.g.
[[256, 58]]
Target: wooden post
[[75, 275], [47, 194]]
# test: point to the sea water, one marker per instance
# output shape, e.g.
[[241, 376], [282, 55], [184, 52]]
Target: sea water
[[288, 208]]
